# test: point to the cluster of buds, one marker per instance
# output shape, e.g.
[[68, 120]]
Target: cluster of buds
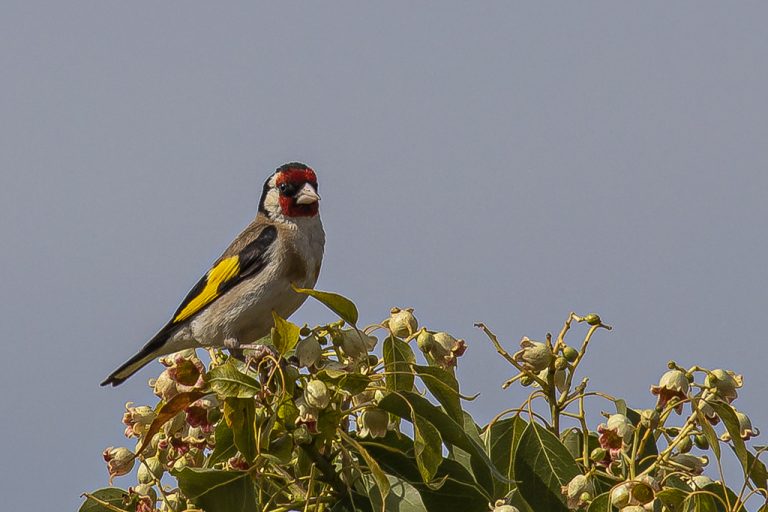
[[636, 495]]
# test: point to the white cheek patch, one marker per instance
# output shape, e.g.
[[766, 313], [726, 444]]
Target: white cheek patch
[[272, 202]]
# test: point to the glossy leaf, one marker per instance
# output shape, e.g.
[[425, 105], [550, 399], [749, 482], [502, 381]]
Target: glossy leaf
[[501, 440], [402, 497], [285, 335], [240, 415], [398, 358], [728, 415], [217, 491], [395, 455], [342, 306], [227, 381], [109, 499], [672, 498], [225, 444], [542, 466], [601, 504], [401, 404], [444, 387]]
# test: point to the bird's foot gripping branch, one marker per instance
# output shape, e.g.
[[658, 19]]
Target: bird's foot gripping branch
[[312, 420]]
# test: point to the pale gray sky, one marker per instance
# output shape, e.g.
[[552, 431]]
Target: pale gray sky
[[478, 161]]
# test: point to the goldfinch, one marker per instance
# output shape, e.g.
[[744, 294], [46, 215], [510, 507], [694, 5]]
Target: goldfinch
[[233, 302]]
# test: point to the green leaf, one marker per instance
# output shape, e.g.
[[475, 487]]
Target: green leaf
[[728, 415], [395, 455], [217, 491], [757, 472], [710, 434], [240, 415], [227, 381], [342, 306], [542, 466], [601, 504], [382, 483], [724, 496], [445, 388], [285, 335], [402, 403], [697, 502], [225, 444], [353, 383], [501, 440], [672, 498], [402, 497], [427, 446], [398, 358], [109, 499], [165, 411]]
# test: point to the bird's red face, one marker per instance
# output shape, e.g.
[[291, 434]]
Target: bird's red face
[[290, 192], [296, 185]]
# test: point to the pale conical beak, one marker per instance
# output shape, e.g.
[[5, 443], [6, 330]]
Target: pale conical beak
[[307, 195]]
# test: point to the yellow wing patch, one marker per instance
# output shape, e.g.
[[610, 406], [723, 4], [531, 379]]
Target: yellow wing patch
[[225, 270]]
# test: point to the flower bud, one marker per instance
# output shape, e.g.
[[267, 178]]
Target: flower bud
[[598, 454], [570, 354], [308, 351], [172, 502], [501, 506], [119, 461], [425, 340], [374, 423], [149, 470], [725, 383], [592, 319], [526, 380], [620, 496], [561, 363], [642, 493], [316, 394], [685, 445], [301, 435], [534, 356], [402, 323], [701, 441], [578, 491]]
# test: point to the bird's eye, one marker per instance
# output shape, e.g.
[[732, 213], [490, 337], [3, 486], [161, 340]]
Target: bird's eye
[[283, 187]]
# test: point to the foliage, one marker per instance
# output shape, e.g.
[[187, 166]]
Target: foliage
[[309, 419]]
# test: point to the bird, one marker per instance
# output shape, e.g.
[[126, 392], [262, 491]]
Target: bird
[[232, 304]]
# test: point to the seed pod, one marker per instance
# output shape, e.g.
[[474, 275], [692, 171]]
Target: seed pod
[[316, 394], [701, 441], [685, 445], [570, 354], [425, 340], [592, 319]]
